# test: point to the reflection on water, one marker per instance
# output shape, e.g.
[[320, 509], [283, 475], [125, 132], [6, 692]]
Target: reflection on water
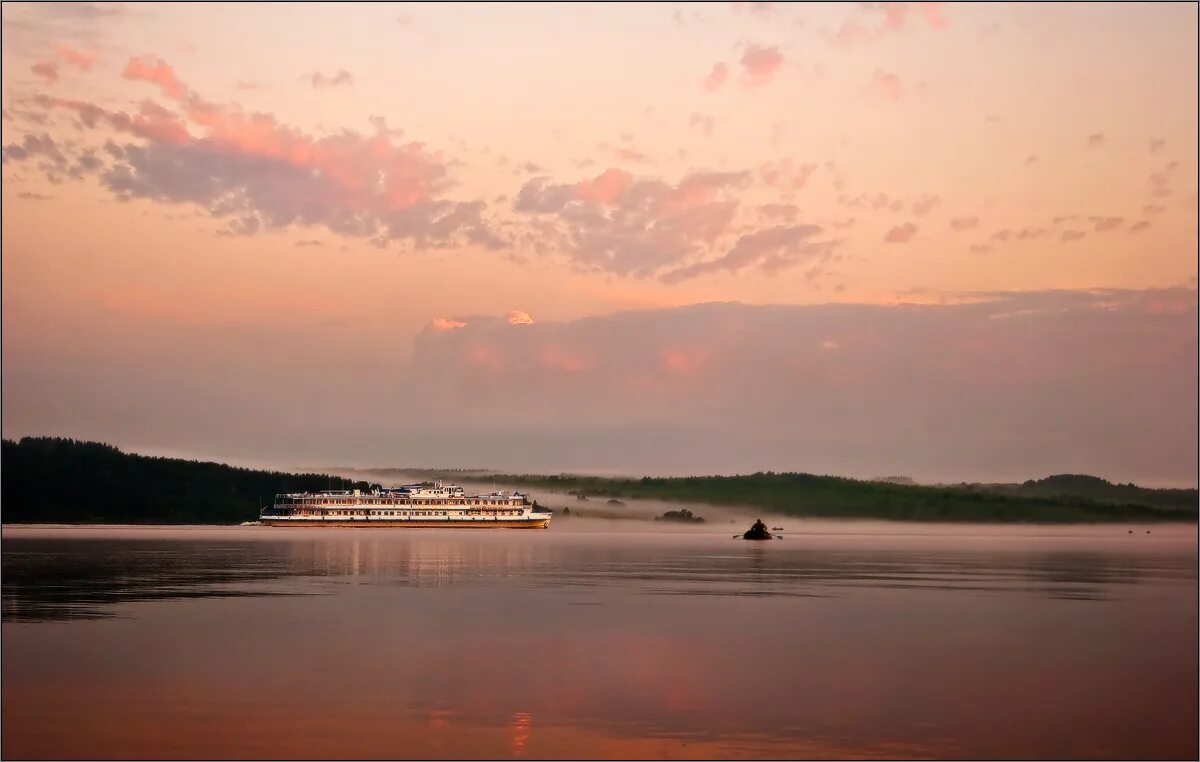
[[312, 643]]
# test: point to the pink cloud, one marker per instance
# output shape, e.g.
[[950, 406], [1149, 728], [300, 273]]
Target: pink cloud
[[606, 188], [933, 14], [760, 64], [896, 16], [715, 79], [1067, 236], [1139, 226], [262, 174], [850, 33], [1095, 140], [1157, 144], [79, 59], [519, 317], [158, 73], [963, 223], [901, 233]]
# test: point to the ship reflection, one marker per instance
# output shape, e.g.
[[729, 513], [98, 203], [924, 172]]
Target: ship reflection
[[421, 562]]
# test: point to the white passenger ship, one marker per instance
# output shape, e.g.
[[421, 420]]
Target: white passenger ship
[[413, 505]]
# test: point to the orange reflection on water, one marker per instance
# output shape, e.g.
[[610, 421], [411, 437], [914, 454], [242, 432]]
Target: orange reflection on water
[[519, 731]]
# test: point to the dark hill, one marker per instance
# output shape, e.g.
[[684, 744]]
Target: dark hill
[[51, 480]]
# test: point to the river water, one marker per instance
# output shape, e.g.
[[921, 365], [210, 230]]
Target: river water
[[600, 639]]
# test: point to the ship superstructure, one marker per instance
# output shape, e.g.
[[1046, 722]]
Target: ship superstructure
[[410, 505]]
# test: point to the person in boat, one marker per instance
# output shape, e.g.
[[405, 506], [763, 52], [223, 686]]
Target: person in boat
[[757, 532]]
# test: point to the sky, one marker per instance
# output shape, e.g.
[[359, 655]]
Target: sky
[[945, 241]]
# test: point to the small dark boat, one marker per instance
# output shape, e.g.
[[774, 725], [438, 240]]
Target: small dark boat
[[757, 532]]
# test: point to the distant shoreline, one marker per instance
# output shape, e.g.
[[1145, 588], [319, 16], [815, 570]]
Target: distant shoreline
[[61, 481], [1045, 501]]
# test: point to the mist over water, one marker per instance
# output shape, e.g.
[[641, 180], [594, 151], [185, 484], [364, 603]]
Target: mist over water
[[601, 638]]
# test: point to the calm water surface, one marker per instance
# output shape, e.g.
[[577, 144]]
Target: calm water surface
[[600, 639]]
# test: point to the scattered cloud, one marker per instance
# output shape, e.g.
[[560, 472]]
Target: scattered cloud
[[1095, 140], [770, 249], [901, 233], [1157, 144], [785, 174], [259, 174], [88, 10], [1139, 226], [1160, 181], [1152, 210], [1031, 159], [626, 153], [1105, 224], [646, 227], [519, 317], [702, 122], [785, 212], [31, 196], [341, 78], [924, 205], [80, 59], [715, 78], [887, 85], [964, 223], [879, 19], [158, 73], [47, 70], [760, 9], [760, 64], [33, 146], [1067, 236]]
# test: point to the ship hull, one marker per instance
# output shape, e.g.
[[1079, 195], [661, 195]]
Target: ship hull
[[377, 523]]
